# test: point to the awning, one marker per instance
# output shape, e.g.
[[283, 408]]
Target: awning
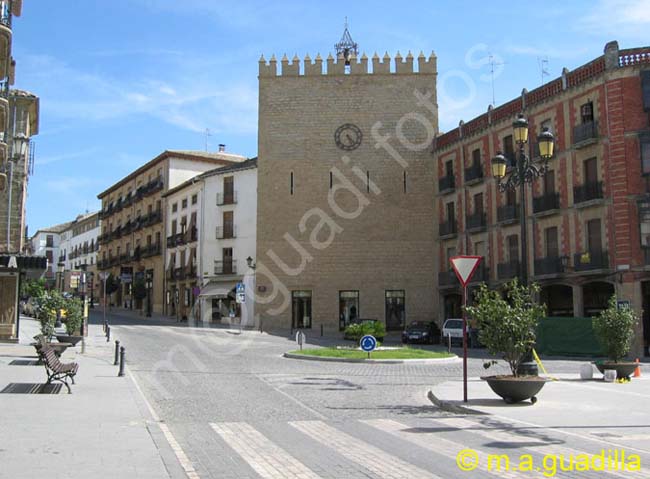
[[217, 290]]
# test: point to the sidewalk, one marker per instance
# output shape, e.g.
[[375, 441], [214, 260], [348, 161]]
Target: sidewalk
[[592, 409], [102, 430]]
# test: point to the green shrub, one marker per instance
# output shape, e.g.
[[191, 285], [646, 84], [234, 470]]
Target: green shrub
[[74, 315], [49, 309], [508, 326], [614, 328], [358, 330]]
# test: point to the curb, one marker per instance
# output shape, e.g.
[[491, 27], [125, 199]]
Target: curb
[[306, 357], [451, 407]]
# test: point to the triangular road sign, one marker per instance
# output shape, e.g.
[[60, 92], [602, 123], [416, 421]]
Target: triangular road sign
[[465, 266]]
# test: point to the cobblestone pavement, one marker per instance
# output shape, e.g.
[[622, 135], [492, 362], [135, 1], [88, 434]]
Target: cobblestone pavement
[[238, 409]]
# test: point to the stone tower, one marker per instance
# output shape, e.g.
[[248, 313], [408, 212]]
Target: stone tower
[[345, 194]]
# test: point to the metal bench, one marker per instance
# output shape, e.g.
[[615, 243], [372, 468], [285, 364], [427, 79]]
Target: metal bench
[[55, 369]]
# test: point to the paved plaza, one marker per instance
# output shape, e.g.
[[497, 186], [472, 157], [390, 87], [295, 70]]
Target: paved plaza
[[220, 403]]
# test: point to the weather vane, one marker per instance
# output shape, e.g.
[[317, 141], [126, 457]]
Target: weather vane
[[346, 47]]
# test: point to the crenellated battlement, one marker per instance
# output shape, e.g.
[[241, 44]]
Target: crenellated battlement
[[358, 66]]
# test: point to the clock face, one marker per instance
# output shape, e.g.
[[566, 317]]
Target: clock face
[[348, 137]]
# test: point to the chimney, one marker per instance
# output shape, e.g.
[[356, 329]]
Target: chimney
[[222, 147]]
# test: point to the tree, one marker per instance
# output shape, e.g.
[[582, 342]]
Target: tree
[[74, 315], [33, 288], [112, 284], [49, 309], [507, 327], [139, 289], [614, 328]]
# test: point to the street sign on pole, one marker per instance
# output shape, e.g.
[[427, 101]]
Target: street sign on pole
[[465, 267], [368, 343]]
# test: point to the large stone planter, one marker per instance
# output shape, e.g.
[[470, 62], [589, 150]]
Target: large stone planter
[[516, 389], [64, 338], [624, 369]]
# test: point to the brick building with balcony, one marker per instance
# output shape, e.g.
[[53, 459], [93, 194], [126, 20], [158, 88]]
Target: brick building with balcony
[[588, 218], [133, 243]]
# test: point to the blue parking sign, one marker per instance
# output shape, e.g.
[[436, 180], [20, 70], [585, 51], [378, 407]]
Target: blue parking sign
[[240, 288]]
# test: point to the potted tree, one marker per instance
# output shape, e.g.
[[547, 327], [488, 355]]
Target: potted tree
[[73, 320], [614, 328], [507, 328]]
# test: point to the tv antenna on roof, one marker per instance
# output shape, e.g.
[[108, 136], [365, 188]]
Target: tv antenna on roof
[[492, 62], [543, 67]]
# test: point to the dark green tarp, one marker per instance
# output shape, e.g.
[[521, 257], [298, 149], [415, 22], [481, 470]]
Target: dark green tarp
[[567, 337]]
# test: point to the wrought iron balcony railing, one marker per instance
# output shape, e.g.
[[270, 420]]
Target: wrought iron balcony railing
[[447, 228], [476, 221], [550, 265], [507, 213], [588, 192], [225, 267], [590, 260], [227, 198], [508, 270], [446, 183], [547, 202], [474, 172], [585, 132]]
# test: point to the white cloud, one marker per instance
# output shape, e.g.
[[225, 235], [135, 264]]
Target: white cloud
[[620, 18], [47, 160]]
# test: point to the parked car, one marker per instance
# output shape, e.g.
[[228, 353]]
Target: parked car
[[453, 327], [421, 332]]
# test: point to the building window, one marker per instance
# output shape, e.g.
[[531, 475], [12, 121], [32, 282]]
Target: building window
[[404, 181], [478, 204], [451, 212], [449, 168], [594, 238], [49, 241], [645, 155], [551, 240], [509, 150], [195, 199], [331, 180], [301, 309], [591, 171], [549, 182], [513, 248], [348, 307], [511, 197], [174, 207], [479, 248], [451, 252], [395, 309], [587, 112], [291, 183], [184, 203], [368, 181]]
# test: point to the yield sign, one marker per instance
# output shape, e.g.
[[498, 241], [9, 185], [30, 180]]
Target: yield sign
[[465, 266]]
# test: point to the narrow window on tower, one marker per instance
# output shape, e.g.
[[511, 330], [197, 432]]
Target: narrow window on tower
[[404, 181], [331, 180], [368, 181], [291, 183]]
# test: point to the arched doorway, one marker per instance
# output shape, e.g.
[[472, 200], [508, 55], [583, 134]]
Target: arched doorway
[[558, 299], [452, 303], [595, 296]]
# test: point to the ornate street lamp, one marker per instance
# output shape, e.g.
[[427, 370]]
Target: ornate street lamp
[[526, 170]]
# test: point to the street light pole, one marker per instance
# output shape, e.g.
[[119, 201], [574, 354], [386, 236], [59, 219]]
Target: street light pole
[[521, 163]]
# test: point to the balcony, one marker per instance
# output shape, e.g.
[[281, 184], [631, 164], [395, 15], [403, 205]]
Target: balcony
[[448, 228], [136, 254], [175, 240], [588, 192], [446, 184], [508, 270], [474, 174], [102, 264], [62, 258], [227, 198], [508, 213], [179, 273], [151, 250], [447, 278], [154, 185], [225, 267], [226, 232], [125, 258], [546, 203], [476, 221], [588, 261], [550, 265], [585, 134]]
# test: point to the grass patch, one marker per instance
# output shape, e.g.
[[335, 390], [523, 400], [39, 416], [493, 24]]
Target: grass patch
[[401, 353]]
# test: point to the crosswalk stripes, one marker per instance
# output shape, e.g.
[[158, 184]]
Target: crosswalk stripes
[[542, 448], [439, 445], [267, 459], [380, 463]]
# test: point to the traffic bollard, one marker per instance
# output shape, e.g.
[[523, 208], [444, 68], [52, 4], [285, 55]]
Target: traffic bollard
[[321, 330], [108, 334], [449, 342], [117, 352], [122, 361]]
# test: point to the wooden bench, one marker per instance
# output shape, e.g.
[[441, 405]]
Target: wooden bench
[[55, 369]]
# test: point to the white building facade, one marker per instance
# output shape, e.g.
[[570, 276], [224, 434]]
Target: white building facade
[[211, 233]]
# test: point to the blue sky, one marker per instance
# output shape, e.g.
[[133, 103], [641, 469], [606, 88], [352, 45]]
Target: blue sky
[[122, 80]]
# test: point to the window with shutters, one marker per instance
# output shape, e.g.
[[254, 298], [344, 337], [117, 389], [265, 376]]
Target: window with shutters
[[513, 248], [594, 238], [587, 112], [552, 247]]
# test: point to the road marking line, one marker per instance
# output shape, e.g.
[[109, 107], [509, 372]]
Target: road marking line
[[267, 459], [543, 448], [437, 444], [379, 462], [171, 440]]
